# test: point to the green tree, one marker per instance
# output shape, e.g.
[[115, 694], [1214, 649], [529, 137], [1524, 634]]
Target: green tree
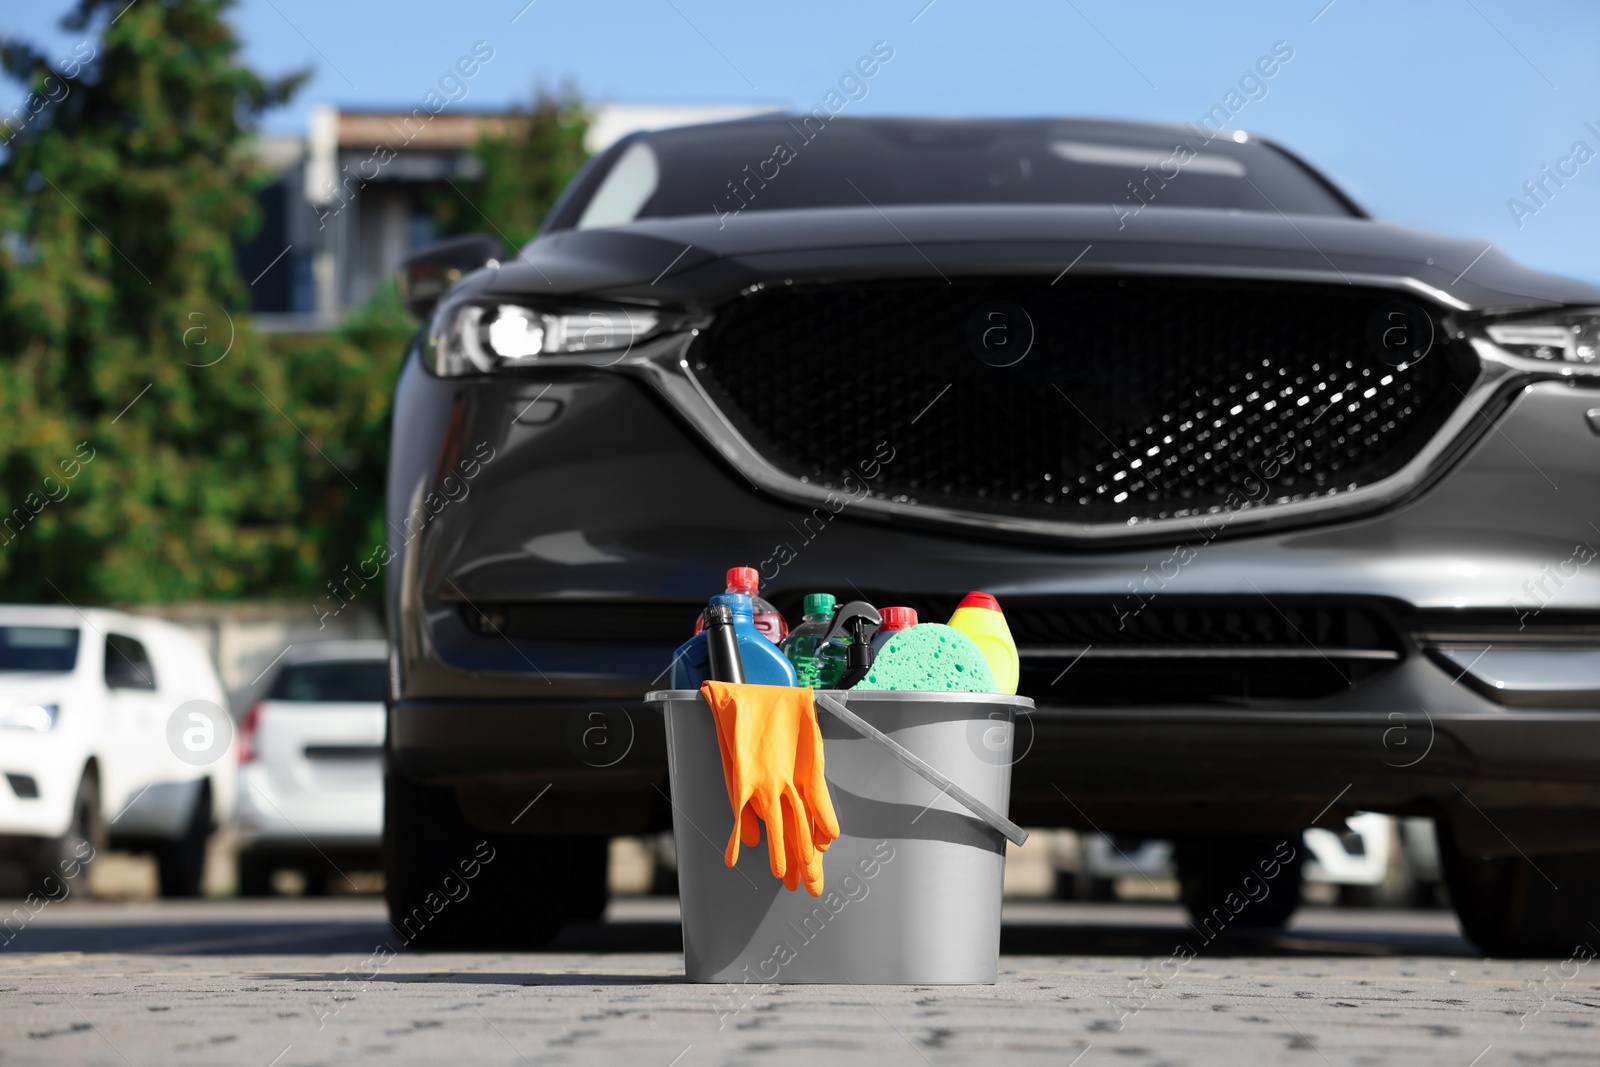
[[525, 168], [221, 466]]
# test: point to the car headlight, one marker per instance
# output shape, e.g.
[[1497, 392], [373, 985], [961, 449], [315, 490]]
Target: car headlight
[[481, 338], [1559, 337], [40, 717]]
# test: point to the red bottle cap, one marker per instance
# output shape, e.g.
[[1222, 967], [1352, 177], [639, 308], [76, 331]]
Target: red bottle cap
[[976, 599], [743, 580], [897, 619]]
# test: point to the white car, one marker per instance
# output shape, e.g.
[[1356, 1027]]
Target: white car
[[311, 767], [114, 730]]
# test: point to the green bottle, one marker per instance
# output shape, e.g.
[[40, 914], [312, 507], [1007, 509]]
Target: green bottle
[[817, 668]]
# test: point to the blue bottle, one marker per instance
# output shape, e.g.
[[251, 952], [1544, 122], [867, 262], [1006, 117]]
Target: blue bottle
[[764, 664]]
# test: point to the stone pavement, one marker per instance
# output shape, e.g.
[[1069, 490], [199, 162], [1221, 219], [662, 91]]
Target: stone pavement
[[287, 983]]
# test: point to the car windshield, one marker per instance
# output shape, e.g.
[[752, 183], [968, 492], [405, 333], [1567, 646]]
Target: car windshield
[[800, 162], [38, 648], [331, 682]]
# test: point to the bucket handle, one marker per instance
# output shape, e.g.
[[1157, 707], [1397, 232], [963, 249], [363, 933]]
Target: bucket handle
[[834, 706]]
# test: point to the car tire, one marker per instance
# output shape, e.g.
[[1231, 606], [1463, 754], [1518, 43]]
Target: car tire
[[1078, 885], [1212, 874], [1358, 896], [587, 890], [314, 879], [663, 865], [1427, 895], [1509, 907], [255, 875], [181, 864], [450, 885], [1098, 889], [67, 859], [663, 880]]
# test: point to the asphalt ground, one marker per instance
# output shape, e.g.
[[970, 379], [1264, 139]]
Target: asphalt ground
[[291, 982]]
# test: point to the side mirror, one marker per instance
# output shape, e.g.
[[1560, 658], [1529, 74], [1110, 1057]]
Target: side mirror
[[426, 273]]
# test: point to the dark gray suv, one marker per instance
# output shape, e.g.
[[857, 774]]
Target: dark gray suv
[[1292, 512]]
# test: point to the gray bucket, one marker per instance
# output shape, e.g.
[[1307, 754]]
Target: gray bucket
[[912, 887]]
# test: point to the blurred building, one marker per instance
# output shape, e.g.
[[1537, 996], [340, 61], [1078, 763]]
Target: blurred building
[[353, 196]]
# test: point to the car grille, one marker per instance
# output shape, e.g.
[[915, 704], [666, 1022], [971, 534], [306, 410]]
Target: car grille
[[1186, 653], [1139, 399]]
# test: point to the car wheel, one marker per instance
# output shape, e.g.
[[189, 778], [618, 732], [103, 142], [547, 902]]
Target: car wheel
[[1523, 906], [1077, 885], [1426, 894], [255, 875], [451, 885], [68, 858], [1095, 888], [1358, 896], [663, 880], [181, 864], [587, 888], [1235, 881], [315, 880], [664, 866]]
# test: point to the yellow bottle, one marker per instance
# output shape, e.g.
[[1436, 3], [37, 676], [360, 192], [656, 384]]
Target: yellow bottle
[[979, 617]]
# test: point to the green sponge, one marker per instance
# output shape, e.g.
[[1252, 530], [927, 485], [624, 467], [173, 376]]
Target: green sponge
[[930, 656]]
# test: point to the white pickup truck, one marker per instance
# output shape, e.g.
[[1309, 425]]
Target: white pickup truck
[[113, 731]]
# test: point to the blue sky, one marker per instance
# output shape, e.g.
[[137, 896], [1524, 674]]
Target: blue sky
[[1431, 113]]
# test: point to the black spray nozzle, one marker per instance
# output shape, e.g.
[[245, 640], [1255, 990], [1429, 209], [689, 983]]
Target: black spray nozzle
[[854, 617], [722, 645], [860, 621]]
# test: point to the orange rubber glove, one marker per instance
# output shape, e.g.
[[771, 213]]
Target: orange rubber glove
[[773, 766]]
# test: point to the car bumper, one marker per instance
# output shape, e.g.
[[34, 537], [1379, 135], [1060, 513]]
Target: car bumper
[[40, 764], [29, 817], [266, 817]]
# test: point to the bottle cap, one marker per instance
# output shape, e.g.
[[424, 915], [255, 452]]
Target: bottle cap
[[743, 580], [819, 604], [976, 599], [898, 619]]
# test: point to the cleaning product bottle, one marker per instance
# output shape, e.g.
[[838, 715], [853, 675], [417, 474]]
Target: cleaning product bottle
[[768, 619], [979, 617], [818, 664], [762, 662], [894, 619]]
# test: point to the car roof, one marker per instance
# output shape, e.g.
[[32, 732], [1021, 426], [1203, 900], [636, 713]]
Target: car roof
[[57, 615], [325, 651], [1055, 123]]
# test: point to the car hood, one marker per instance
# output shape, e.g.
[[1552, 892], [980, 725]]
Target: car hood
[[702, 260]]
